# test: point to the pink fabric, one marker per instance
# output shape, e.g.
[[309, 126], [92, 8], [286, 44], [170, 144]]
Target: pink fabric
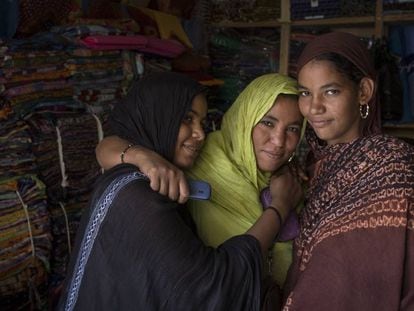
[[163, 47], [116, 40]]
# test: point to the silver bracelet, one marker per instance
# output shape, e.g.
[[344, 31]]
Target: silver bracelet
[[124, 152]]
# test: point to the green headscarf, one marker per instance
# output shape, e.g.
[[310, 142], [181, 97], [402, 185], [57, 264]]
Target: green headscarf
[[228, 163]]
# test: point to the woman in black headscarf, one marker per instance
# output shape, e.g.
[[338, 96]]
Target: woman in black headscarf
[[136, 249]]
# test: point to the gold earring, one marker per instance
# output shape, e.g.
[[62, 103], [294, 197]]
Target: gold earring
[[364, 114]]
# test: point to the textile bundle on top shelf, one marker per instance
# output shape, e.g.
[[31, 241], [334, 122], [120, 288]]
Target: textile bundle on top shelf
[[244, 10], [237, 58], [162, 47]]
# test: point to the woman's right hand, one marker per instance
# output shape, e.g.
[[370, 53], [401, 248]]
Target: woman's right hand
[[286, 190], [165, 177]]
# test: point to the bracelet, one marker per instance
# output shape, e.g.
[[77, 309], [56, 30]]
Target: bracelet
[[124, 152], [279, 216]]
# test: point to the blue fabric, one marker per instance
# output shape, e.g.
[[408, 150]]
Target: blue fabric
[[9, 16], [85, 6]]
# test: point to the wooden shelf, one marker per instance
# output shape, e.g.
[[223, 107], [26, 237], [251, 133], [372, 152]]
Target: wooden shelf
[[359, 20], [400, 130], [407, 126], [398, 18], [376, 21], [263, 24]]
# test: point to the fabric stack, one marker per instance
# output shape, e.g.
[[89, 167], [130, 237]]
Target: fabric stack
[[16, 156], [34, 77], [25, 243], [24, 219], [99, 77], [298, 41], [244, 10], [264, 10], [237, 58], [401, 44], [357, 7], [64, 150], [304, 9], [55, 96], [397, 6]]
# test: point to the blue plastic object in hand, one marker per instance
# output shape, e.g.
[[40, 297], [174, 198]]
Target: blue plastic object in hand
[[199, 190]]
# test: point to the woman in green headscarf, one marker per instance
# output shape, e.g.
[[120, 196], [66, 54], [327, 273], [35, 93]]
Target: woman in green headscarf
[[238, 164], [258, 135]]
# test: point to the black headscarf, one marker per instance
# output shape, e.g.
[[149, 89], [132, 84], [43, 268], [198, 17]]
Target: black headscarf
[[151, 113]]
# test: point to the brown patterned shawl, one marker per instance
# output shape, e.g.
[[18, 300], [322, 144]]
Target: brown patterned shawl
[[356, 247]]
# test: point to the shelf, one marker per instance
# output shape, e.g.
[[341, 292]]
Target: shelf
[[376, 21], [359, 20], [405, 126], [398, 18], [262, 24], [400, 130]]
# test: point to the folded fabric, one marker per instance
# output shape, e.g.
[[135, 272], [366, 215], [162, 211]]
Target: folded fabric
[[116, 40], [163, 47]]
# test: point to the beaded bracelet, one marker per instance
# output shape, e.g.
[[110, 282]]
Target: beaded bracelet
[[124, 152], [279, 216]]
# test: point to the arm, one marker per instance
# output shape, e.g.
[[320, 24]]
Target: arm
[[165, 178]]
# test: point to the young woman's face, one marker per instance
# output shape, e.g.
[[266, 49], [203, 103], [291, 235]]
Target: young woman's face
[[191, 134], [276, 135], [329, 100]]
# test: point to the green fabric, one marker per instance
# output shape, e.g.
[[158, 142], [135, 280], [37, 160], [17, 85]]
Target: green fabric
[[228, 163]]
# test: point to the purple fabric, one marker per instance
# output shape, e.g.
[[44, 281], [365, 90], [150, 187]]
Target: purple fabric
[[290, 228]]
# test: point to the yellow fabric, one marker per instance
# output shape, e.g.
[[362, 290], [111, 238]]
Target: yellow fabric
[[228, 163], [169, 26]]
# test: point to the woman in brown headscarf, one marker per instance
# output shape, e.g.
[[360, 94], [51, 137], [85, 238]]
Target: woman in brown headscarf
[[356, 247]]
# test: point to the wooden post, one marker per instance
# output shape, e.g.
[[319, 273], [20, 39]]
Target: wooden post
[[379, 22], [284, 37]]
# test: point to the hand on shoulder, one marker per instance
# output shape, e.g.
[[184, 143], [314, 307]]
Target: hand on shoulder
[[164, 176]]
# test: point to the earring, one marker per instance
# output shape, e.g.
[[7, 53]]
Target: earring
[[291, 157], [364, 114]]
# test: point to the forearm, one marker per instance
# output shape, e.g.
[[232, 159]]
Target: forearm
[[164, 176], [108, 151], [265, 229]]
